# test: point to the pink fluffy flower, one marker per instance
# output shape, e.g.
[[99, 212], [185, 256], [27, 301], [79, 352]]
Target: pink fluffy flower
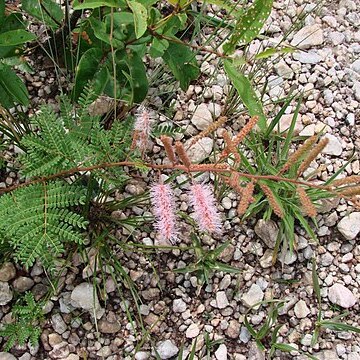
[[206, 214], [142, 127], [163, 204]]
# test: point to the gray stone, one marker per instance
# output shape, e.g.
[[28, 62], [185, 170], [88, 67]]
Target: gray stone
[[7, 271], [333, 147], [200, 150], [284, 70], [22, 284], [336, 37], [142, 355], [308, 36], [253, 296], [221, 300], [356, 66], [255, 353], [202, 117], [107, 327], [7, 356], [301, 310], [192, 331], [340, 295], [58, 323], [307, 57], [166, 349], [5, 293], [245, 336], [233, 329], [349, 226], [221, 352], [85, 297], [267, 231], [356, 89], [179, 306], [327, 355]]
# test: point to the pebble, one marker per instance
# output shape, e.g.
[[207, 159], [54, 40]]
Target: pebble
[[349, 226], [221, 352], [6, 294], [107, 327], [7, 356], [202, 117], [340, 295], [308, 36], [166, 349], [233, 330], [333, 147], [221, 300], [253, 296], [192, 331], [7, 271], [58, 323], [301, 310], [307, 57], [200, 150], [267, 231], [356, 66], [83, 296], [179, 306], [22, 284]]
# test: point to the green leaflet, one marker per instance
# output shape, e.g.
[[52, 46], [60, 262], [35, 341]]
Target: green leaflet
[[140, 18], [46, 11], [93, 4], [15, 37], [12, 86], [246, 93], [182, 63], [273, 51], [249, 24]]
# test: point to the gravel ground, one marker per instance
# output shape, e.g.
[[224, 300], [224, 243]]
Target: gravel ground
[[175, 309]]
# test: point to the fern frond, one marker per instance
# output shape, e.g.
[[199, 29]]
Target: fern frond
[[37, 222]]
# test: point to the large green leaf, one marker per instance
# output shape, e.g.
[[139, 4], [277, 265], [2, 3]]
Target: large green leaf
[[13, 87], [182, 63], [246, 93], [46, 11], [140, 18], [90, 67], [93, 4], [15, 37], [249, 24]]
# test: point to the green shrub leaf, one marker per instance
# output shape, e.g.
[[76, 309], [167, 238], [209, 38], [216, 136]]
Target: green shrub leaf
[[15, 37], [246, 93], [140, 18], [249, 24], [182, 63], [93, 4], [46, 11]]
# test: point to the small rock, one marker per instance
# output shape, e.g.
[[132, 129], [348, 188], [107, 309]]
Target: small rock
[[221, 352], [284, 70], [221, 300], [192, 331], [327, 355], [166, 349], [266, 259], [142, 355], [267, 231], [7, 356], [245, 336], [84, 296], [336, 37], [200, 150], [7, 271], [202, 117], [308, 130], [23, 283], [308, 36], [340, 295], [179, 306], [233, 330], [301, 310], [307, 57], [356, 66], [333, 147], [58, 323], [253, 296], [255, 353], [150, 294], [107, 327], [5, 293], [349, 226]]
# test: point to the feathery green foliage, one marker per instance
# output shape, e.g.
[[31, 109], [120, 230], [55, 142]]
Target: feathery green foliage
[[27, 314], [36, 221]]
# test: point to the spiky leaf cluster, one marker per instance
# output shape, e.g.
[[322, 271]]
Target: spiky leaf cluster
[[26, 314], [36, 221]]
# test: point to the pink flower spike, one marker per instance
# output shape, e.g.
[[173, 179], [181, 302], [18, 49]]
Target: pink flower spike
[[142, 127], [206, 214], [162, 200]]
